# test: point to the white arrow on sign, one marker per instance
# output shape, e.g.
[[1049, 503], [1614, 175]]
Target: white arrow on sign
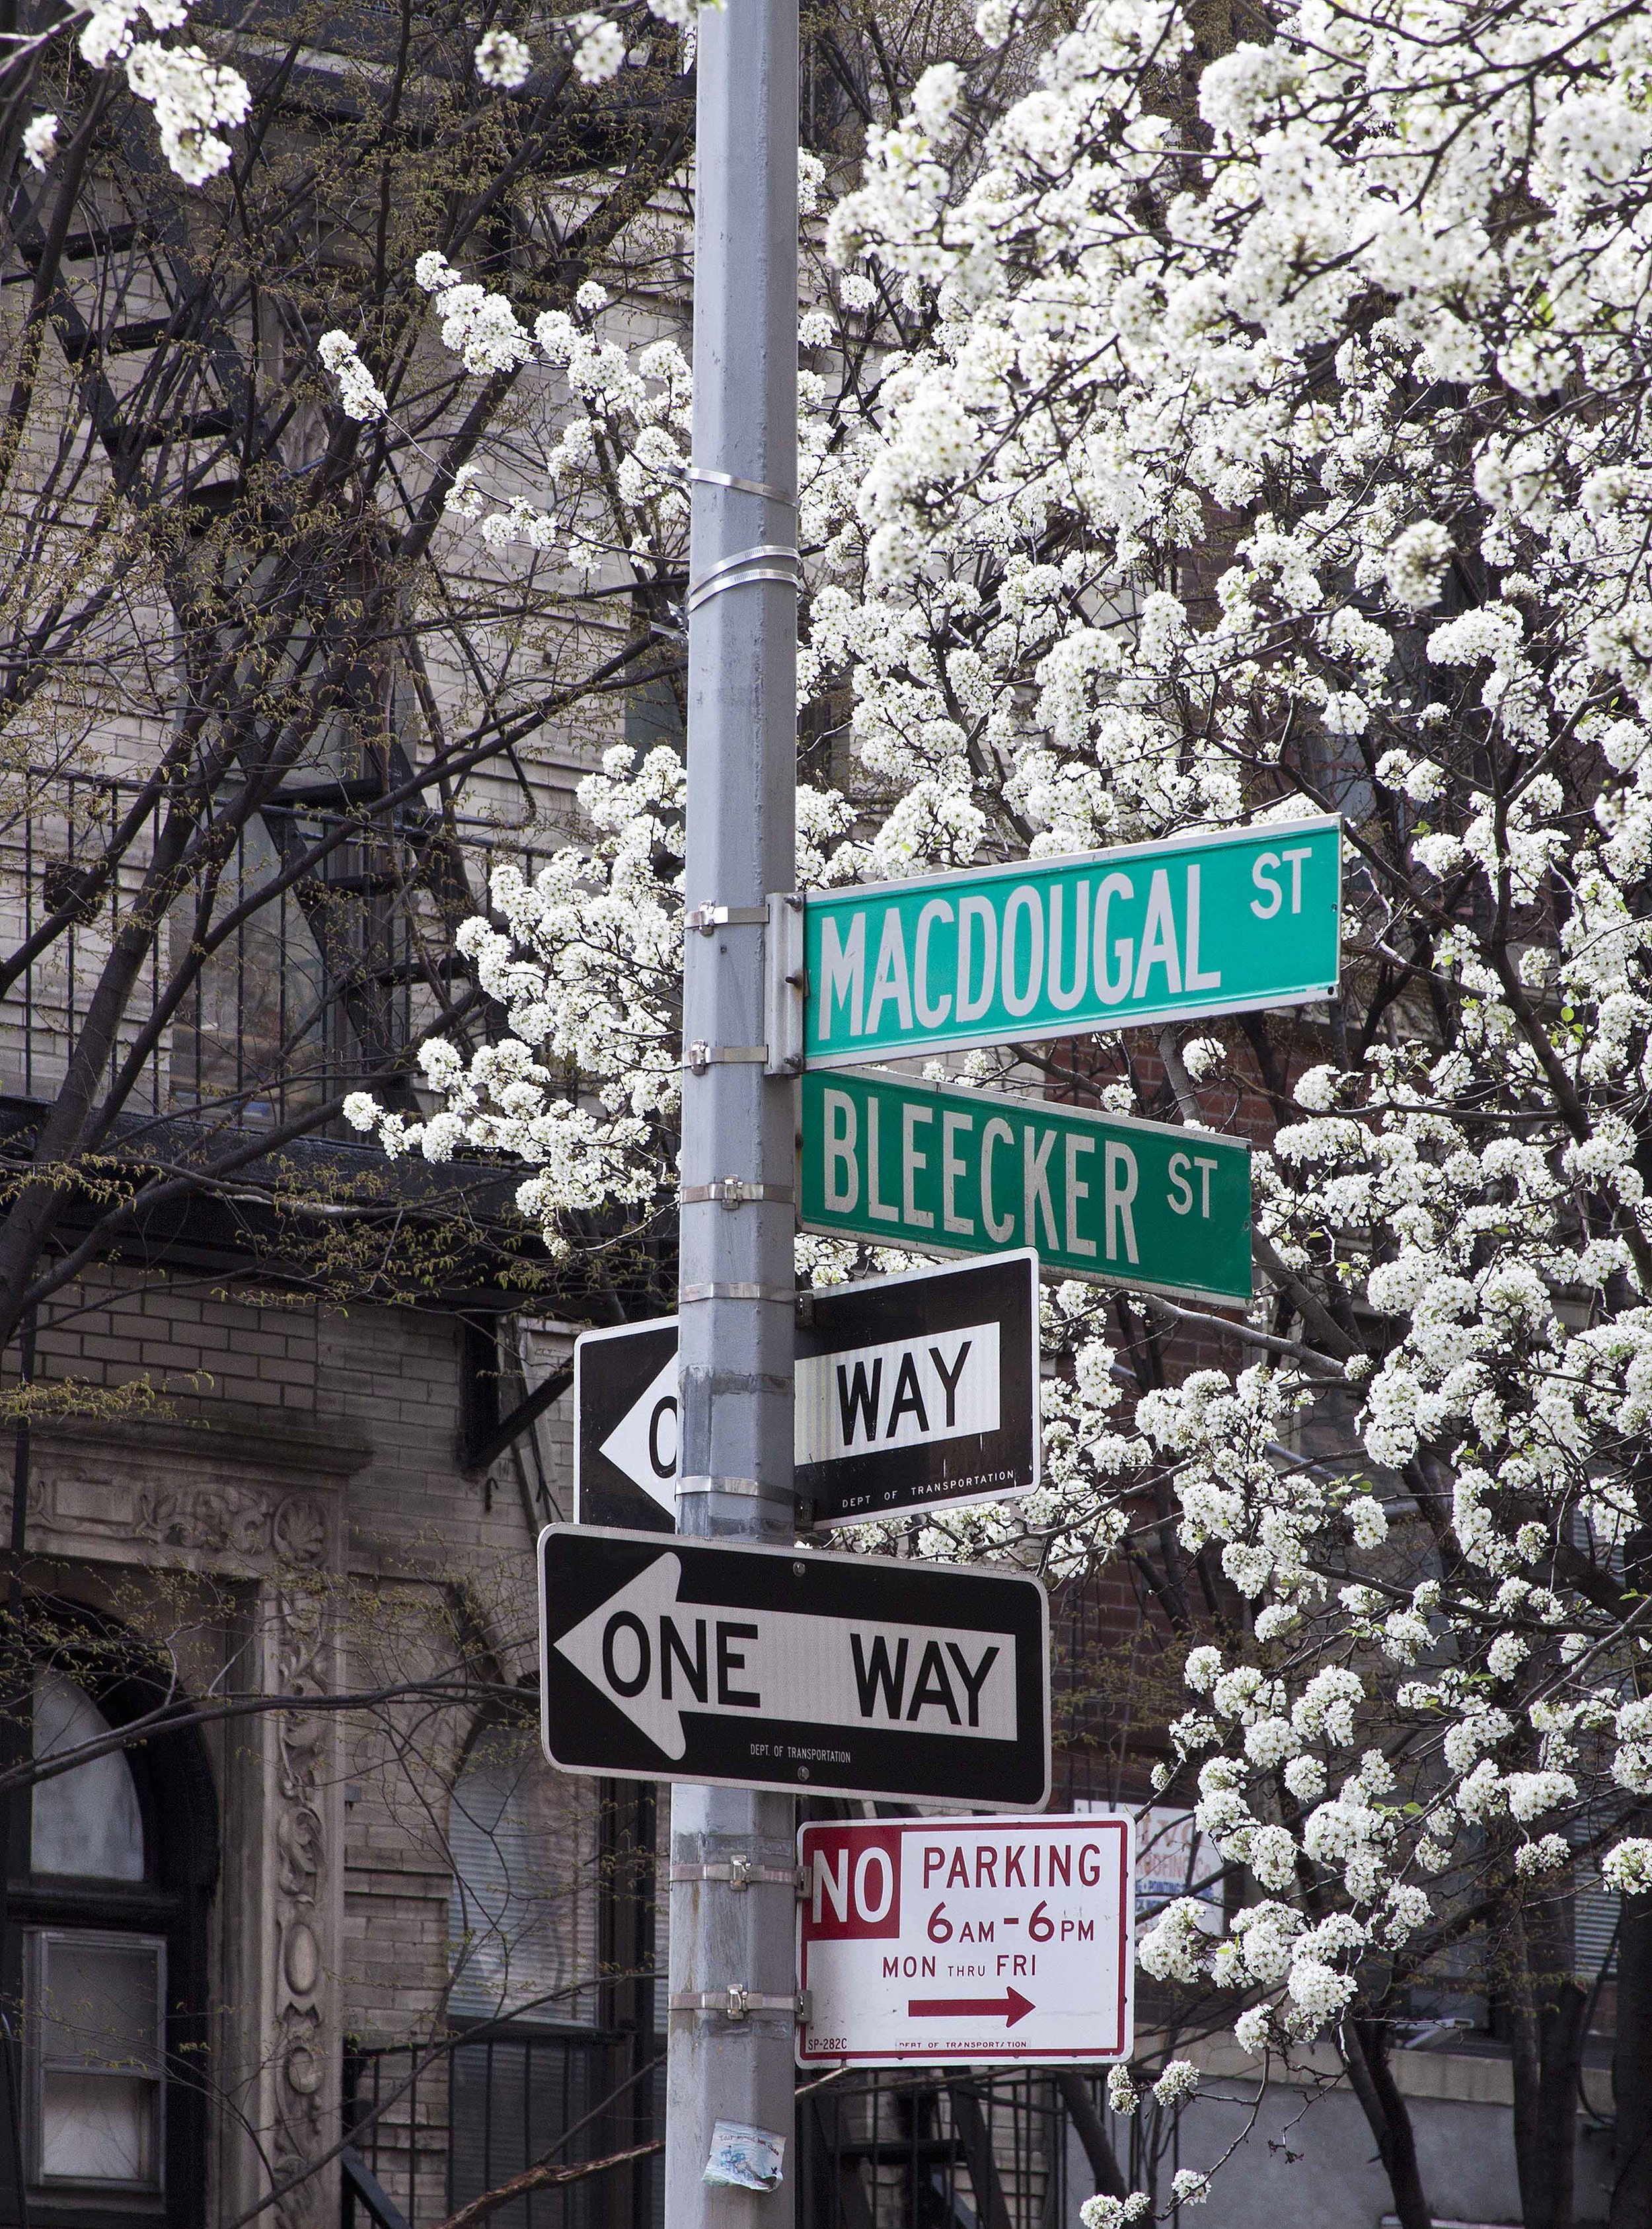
[[901, 1393], [643, 1444], [655, 1657]]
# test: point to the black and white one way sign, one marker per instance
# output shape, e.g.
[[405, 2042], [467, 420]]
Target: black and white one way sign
[[912, 1392], [755, 1666], [625, 1425], [920, 1391]]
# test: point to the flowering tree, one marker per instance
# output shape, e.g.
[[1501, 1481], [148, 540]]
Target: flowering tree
[[258, 715], [1209, 436]]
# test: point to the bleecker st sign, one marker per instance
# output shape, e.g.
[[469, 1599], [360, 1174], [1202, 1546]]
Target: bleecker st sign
[[759, 1666], [946, 1171], [1049, 948]]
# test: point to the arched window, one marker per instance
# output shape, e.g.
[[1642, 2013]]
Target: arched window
[[95, 1996], [86, 1824], [113, 1864]]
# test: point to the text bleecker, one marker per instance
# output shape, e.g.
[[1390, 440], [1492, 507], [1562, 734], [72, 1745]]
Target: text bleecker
[[963, 1171]]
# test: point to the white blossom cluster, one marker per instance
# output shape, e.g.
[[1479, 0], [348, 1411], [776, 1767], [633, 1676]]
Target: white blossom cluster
[[1103, 2212], [598, 47], [585, 971], [503, 59], [194, 97], [39, 141], [359, 393], [595, 44]]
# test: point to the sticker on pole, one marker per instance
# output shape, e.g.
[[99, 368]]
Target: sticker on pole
[[973, 1939]]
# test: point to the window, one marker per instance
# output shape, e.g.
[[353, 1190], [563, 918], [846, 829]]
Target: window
[[94, 1999], [553, 1886], [527, 1868], [86, 1823], [97, 2012], [113, 1864]]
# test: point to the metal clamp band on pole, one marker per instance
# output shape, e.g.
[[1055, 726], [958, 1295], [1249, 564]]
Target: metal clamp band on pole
[[699, 1057], [763, 562], [736, 1191], [706, 478], [761, 553], [743, 581], [750, 1489], [709, 918], [738, 2004], [741, 1872], [786, 1294]]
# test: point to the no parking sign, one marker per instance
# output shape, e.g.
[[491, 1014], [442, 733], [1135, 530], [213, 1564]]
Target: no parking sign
[[973, 1939]]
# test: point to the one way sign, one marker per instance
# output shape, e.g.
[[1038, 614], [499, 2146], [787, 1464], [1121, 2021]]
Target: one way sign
[[753, 1667], [625, 1425], [912, 1392], [919, 1391]]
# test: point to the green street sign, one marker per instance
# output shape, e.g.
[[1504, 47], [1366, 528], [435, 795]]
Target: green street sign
[[1049, 947], [947, 1171]]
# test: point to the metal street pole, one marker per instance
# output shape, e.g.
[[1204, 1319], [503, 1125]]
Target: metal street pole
[[731, 1983]]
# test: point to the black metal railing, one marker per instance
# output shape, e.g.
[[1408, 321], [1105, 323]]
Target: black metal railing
[[273, 1022], [427, 2132], [435, 2127], [887, 2151]]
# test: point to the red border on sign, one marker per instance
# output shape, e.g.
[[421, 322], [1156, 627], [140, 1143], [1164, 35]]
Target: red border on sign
[[1089, 1821]]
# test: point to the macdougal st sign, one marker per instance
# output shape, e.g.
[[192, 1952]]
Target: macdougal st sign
[[1050, 948]]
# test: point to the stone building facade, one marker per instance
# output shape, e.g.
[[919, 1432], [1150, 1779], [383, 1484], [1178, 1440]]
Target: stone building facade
[[291, 1516]]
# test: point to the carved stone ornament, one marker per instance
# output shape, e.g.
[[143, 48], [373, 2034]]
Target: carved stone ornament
[[243, 1490], [304, 1883], [215, 1519]]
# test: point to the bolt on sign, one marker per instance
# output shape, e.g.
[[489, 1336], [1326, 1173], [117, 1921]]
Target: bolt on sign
[[940, 1939], [945, 1170], [1053, 947]]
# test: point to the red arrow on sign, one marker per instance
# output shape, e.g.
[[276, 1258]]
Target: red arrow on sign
[[1010, 2007]]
